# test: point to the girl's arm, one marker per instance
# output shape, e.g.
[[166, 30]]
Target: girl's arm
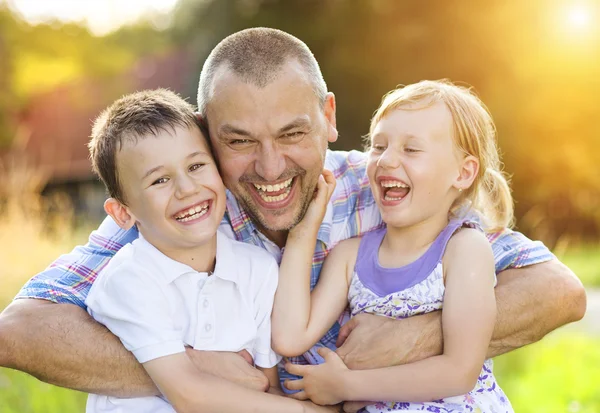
[[299, 320], [468, 321]]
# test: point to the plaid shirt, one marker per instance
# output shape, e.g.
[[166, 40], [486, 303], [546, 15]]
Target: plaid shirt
[[351, 212]]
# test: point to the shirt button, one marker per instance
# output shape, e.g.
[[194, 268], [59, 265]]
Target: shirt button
[[207, 327], [205, 303]]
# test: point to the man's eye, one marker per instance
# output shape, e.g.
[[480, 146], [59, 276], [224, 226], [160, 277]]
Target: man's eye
[[160, 181], [196, 166], [292, 135], [239, 142]]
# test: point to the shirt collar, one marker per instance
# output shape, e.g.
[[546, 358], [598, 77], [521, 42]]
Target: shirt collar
[[170, 269]]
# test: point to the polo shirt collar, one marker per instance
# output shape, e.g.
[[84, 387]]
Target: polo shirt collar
[[170, 269]]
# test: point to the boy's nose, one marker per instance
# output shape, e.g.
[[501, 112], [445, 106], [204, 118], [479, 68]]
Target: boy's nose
[[185, 187]]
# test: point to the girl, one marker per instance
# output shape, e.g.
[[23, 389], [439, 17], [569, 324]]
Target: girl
[[435, 174]]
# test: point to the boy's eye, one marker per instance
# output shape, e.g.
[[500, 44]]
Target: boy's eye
[[160, 181], [196, 166]]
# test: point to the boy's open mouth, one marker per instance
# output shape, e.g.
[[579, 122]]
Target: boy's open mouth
[[393, 190], [193, 212]]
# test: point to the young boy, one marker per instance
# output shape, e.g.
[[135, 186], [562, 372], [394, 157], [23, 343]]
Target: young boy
[[181, 283]]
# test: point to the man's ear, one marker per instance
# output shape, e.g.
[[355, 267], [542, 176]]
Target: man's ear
[[119, 213], [329, 109], [468, 171]]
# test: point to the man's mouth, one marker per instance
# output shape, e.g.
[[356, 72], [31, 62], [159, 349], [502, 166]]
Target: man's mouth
[[193, 212], [274, 192], [393, 190]]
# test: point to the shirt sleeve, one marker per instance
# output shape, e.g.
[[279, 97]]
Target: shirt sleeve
[[134, 307], [69, 278], [264, 356], [514, 250]]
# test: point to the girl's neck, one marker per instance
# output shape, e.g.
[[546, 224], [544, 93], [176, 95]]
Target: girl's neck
[[403, 245]]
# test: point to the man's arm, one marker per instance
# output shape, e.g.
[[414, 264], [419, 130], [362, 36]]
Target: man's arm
[[62, 345], [531, 302]]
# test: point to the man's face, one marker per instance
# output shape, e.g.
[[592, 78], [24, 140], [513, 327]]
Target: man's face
[[270, 143]]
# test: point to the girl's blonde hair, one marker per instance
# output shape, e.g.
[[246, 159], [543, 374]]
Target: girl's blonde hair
[[474, 134]]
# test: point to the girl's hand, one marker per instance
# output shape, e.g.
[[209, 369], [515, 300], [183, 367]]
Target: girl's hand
[[323, 384], [313, 218]]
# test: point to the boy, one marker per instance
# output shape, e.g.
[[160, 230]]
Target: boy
[[181, 283]]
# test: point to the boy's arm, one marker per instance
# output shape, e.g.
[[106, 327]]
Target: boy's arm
[[468, 317], [538, 296]]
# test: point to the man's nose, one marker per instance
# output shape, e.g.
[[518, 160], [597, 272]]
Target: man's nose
[[270, 162]]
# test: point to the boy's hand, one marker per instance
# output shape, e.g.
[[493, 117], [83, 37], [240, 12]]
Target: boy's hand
[[323, 383], [313, 218]]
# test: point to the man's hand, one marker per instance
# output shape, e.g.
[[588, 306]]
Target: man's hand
[[234, 367], [369, 341]]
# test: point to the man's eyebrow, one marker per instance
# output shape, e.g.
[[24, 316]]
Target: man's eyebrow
[[228, 129], [300, 122]]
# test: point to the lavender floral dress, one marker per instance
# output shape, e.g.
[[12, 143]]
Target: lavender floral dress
[[414, 289]]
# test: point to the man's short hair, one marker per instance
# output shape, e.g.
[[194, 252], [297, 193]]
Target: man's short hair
[[132, 117], [256, 55]]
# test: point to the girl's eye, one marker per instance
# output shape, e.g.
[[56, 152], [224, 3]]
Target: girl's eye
[[196, 166], [160, 181], [378, 148], [411, 150]]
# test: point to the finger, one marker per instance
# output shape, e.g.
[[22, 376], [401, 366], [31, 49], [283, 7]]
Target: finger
[[295, 369], [246, 356], [301, 395], [294, 384], [325, 352], [353, 407], [345, 331]]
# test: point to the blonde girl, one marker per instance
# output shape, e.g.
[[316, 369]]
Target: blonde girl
[[434, 171]]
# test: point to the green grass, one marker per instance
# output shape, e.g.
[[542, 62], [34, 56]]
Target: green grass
[[585, 262], [559, 374], [20, 393]]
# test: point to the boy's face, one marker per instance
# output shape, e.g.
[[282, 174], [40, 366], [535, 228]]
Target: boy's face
[[172, 188]]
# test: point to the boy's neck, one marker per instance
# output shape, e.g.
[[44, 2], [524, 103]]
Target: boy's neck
[[201, 258]]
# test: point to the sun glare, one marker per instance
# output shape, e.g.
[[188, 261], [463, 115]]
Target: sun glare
[[579, 17]]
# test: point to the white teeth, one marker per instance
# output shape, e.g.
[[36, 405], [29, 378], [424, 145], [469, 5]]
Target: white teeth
[[276, 198], [393, 184], [274, 188], [392, 198], [193, 213]]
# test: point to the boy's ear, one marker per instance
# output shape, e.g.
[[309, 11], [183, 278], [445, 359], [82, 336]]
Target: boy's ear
[[467, 173], [119, 213]]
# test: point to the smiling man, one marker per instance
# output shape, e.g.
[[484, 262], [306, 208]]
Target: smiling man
[[270, 120]]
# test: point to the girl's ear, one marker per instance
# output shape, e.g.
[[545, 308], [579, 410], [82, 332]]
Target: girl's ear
[[119, 213], [467, 173]]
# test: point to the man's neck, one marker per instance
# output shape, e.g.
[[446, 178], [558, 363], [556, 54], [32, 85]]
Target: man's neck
[[279, 238]]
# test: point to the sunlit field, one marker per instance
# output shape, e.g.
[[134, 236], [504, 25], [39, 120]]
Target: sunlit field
[[559, 374]]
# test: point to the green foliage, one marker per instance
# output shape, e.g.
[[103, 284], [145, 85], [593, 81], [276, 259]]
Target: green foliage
[[559, 374], [584, 261], [20, 393]]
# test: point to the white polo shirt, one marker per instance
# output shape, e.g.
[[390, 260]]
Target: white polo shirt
[[157, 306]]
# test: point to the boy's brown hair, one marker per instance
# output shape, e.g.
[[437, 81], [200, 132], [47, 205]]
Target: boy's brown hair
[[130, 118]]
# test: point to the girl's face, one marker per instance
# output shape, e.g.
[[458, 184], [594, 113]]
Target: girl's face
[[413, 166]]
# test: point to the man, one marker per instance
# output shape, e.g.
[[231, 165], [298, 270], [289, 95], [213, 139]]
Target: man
[[270, 119]]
